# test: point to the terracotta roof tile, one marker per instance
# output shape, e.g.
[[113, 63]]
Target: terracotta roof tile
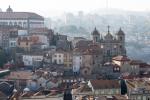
[[135, 62], [121, 58], [20, 75], [105, 84]]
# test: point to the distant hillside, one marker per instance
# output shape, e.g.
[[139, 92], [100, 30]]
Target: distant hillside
[[136, 25]]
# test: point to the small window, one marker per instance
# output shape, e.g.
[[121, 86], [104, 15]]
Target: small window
[[93, 62], [11, 44], [10, 23], [26, 43], [59, 61], [85, 71], [15, 23], [120, 46], [55, 61], [121, 38], [108, 53]]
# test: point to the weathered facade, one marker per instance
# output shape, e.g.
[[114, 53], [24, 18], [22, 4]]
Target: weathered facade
[[110, 45]]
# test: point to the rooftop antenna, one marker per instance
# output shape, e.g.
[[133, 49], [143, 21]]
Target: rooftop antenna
[[108, 29]]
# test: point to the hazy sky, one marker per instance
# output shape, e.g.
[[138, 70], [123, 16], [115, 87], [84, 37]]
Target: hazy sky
[[57, 7]]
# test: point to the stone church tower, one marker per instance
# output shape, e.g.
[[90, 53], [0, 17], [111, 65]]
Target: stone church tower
[[110, 45], [96, 36]]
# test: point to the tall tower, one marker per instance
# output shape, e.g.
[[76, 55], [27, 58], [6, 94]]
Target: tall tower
[[96, 36], [121, 36], [9, 9], [121, 40]]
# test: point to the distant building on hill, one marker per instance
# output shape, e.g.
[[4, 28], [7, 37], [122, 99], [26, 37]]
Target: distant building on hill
[[26, 20]]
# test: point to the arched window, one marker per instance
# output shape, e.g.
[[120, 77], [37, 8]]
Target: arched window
[[20, 23], [10, 23], [121, 38], [120, 46], [108, 53], [96, 39], [15, 23]]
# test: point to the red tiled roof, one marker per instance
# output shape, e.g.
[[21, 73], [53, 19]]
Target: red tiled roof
[[144, 65], [105, 84], [39, 30], [121, 58], [20, 75], [135, 62], [83, 43]]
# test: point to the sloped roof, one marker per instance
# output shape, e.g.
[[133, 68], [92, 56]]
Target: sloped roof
[[136, 62], [20, 75], [121, 58], [120, 32], [95, 32], [20, 15], [105, 84]]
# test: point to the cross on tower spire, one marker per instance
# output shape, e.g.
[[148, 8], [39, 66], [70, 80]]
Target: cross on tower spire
[[108, 28]]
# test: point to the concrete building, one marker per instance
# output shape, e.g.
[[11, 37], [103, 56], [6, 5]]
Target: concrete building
[[4, 38], [58, 57], [13, 38], [124, 64], [68, 57], [25, 42], [105, 87], [76, 40], [26, 20], [77, 61], [8, 36], [138, 89], [91, 60], [32, 60]]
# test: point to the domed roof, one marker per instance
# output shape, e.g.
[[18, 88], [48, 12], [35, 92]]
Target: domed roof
[[108, 35], [9, 9], [120, 32], [95, 32]]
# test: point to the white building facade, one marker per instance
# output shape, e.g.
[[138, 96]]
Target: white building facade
[[77, 63], [58, 58], [32, 60], [26, 20]]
